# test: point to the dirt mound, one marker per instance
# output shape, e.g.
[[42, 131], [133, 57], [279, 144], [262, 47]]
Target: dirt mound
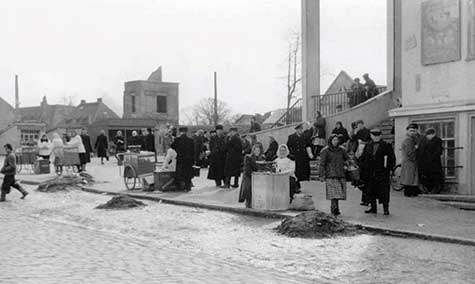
[[66, 182], [316, 224], [121, 202]]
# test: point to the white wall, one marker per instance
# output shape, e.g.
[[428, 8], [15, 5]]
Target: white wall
[[454, 81]]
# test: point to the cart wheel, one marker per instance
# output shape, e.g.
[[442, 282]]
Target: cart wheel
[[130, 177], [396, 178]]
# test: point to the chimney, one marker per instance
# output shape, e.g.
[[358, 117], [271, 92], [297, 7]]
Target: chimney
[[17, 95], [83, 102], [99, 100]]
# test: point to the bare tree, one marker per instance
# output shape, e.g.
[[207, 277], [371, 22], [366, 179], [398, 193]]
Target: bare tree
[[293, 78], [203, 112]]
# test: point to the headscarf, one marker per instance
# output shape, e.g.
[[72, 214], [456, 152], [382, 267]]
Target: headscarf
[[330, 144], [287, 152]]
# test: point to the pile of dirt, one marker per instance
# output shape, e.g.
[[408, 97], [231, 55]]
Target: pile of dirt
[[316, 224], [66, 182], [121, 202]]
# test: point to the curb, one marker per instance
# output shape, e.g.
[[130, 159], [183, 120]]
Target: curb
[[278, 215]]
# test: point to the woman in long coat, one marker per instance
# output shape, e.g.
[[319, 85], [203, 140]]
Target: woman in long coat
[[299, 147], [429, 162], [101, 146], [217, 157], [232, 167], [250, 165], [376, 164], [332, 163], [341, 132], [86, 141], [409, 169], [271, 152], [319, 134]]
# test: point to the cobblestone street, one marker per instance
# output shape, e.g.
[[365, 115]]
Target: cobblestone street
[[60, 238]]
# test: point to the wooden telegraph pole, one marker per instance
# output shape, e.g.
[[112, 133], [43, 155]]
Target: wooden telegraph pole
[[215, 99]]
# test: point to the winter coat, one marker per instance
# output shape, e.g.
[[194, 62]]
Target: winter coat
[[44, 148], [409, 169], [217, 158], [199, 146], [148, 143], [76, 142], [250, 166], [233, 156], [363, 135], [184, 147], [271, 152], [101, 146], [319, 128], [9, 165], [86, 141], [119, 142], [375, 172], [332, 162], [298, 149], [429, 161], [342, 133]]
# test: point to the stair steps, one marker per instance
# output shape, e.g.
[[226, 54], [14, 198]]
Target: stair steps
[[465, 202]]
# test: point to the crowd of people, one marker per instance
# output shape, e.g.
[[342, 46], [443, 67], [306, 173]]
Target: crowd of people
[[361, 92]]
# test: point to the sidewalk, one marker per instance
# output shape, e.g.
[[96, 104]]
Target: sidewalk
[[420, 217]]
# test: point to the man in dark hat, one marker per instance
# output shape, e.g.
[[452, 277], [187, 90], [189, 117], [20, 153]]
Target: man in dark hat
[[376, 163], [232, 167], [9, 171], [370, 86], [184, 147], [409, 169], [148, 140], [300, 148], [430, 163], [217, 147]]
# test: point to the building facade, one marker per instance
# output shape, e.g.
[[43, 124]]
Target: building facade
[[434, 70], [152, 99]]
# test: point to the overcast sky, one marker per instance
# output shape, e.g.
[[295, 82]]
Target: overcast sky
[[86, 49]]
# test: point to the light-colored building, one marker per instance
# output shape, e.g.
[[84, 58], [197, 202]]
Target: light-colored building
[[152, 99], [434, 71]]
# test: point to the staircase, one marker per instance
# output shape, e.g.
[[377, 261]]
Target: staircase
[[464, 202], [386, 127]]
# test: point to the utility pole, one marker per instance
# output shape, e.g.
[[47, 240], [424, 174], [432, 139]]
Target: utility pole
[[215, 99], [17, 95]]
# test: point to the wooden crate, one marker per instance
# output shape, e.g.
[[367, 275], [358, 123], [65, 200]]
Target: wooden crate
[[270, 191]]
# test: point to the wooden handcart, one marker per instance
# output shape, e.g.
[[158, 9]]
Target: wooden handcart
[[137, 167]]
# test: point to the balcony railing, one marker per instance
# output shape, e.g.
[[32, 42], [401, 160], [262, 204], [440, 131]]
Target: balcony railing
[[329, 104], [292, 115]]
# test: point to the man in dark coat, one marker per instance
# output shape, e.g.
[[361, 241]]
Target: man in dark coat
[[86, 141], [184, 147], [101, 146], [233, 164], [9, 171], [255, 126], [199, 141], [429, 162], [119, 142], [299, 147], [377, 161], [217, 156], [148, 140], [362, 133]]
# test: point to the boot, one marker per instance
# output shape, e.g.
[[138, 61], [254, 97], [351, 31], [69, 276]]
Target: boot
[[22, 190], [2, 196], [227, 183], [386, 208], [373, 209], [236, 182], [218, 183]]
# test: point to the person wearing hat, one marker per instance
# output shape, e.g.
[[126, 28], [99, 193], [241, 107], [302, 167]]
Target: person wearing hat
[[300, 149], [430, 163], [370, 86], [233, 164], [409, 169], [376, 163], [217, 156], [9, 171], [184, 147], [148, 139]]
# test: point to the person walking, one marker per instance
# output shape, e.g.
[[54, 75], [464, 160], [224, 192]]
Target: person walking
[[255, 126], [429, 162], [341, 132], [232, 166], [409, 169], [271, 152], [119, 143], [250, 166], [370, 86], [217, 157], [76, 142], [135, 142], [332, 172], [101, 146], [377, 161], [86, 141], [57, 153], [300, 149], [184, 147], [319, 133], [362, 137], [9, 171]]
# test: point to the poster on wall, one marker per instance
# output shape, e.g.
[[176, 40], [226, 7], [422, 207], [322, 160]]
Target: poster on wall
[[440, 31]]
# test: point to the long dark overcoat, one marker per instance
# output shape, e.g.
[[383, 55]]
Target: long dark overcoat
[[297, 145], [184, 148], [233, 163], [101, 146], [250, 165], [429, 162], [86, 141], [374, 172], [217, 158], [409, 169]]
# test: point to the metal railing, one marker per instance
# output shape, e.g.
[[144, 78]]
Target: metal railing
[[332, 103], [292, 115]]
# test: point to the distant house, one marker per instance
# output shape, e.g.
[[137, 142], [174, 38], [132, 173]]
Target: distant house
[[341, 83], [246, 119]]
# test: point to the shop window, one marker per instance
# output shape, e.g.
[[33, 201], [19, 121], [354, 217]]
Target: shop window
[[445, 129], [161, 104], [29, 136], [133, 103]]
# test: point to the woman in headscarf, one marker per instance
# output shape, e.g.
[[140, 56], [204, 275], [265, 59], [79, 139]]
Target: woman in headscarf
[[44, 150], [271, 152], [318, 137], [341, 132], [332, 163], [250, 165], [285, 165], [76, 142], [57, 147]]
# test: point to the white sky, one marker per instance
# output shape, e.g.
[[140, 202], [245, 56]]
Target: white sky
[[89, 48]]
